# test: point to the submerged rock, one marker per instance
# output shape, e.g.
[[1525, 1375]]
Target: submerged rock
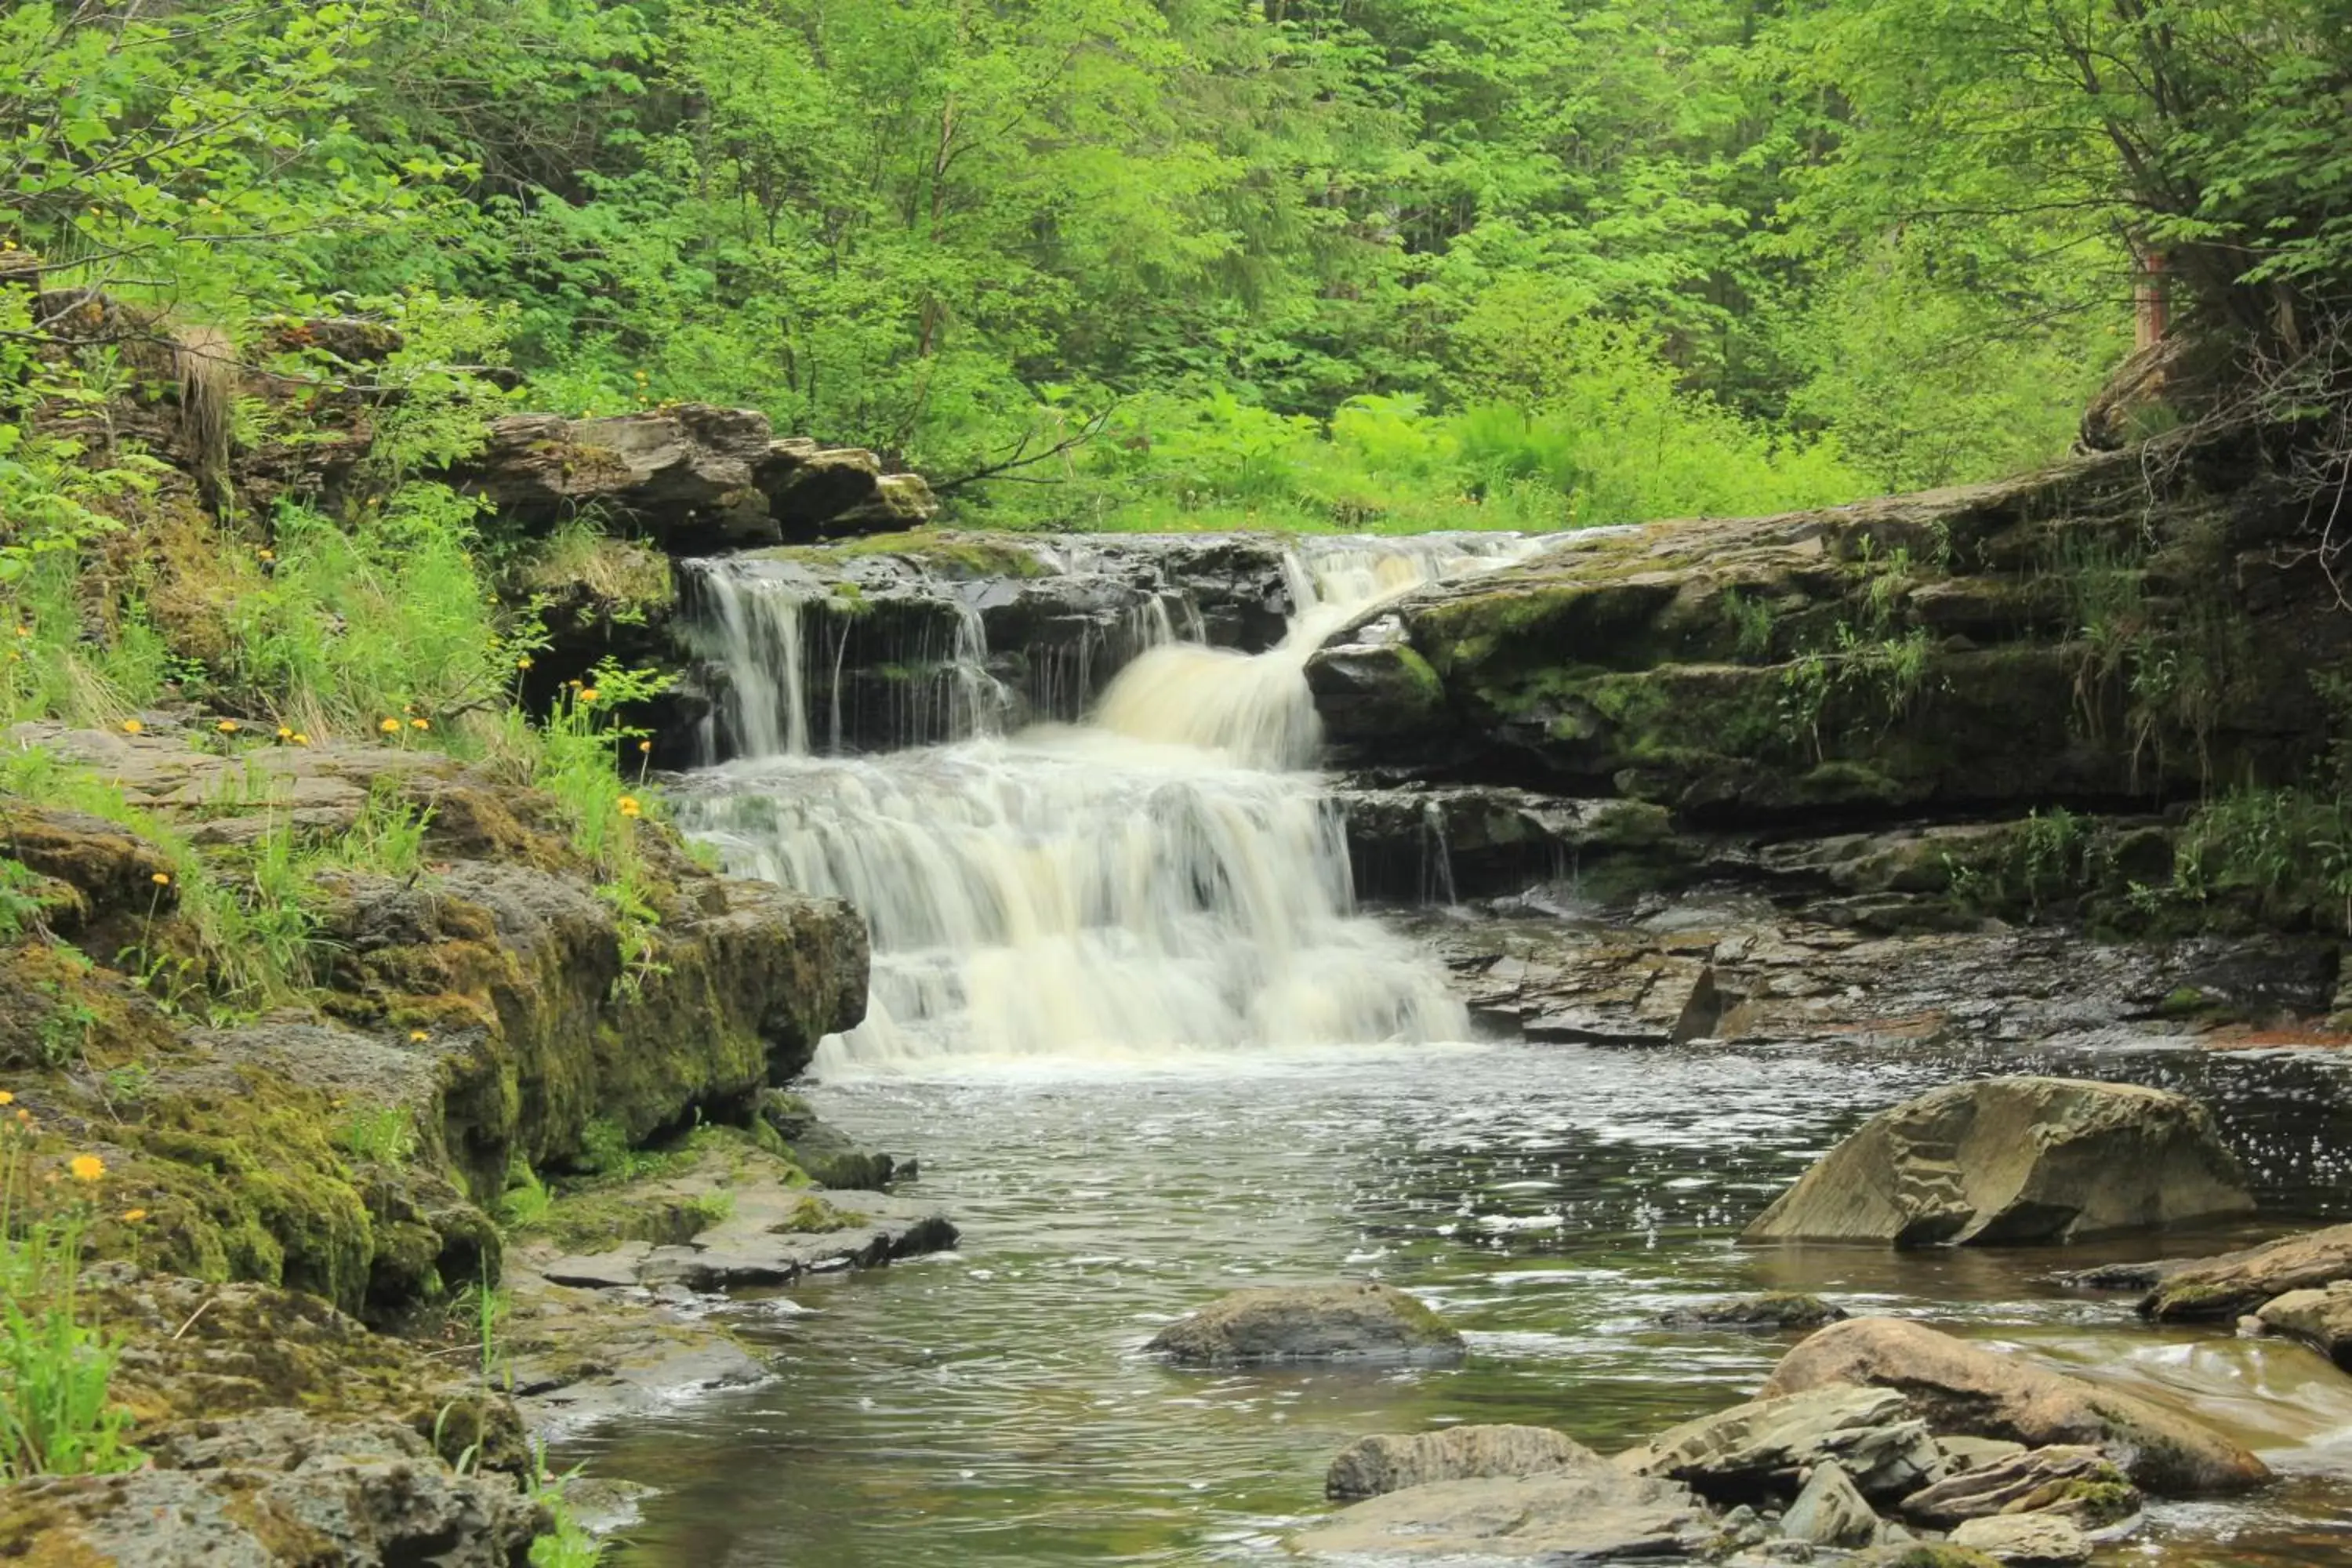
[[1590, 1512], [2224, 1289], [1763, 1447], [2014, 1160], [1774, 1310], [1392, 1461], [1959, 1387], [1355, 1322]]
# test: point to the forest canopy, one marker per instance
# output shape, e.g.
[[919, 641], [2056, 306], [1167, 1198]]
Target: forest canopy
[[1381, 262]]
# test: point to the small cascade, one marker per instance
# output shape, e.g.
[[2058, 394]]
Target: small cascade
[[1164, 875]]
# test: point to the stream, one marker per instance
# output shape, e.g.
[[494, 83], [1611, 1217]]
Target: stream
[[1147, 1049]]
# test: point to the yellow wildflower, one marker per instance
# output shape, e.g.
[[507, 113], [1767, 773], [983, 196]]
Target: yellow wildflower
[[629, 806], [390, 726], [644, 746], [7, 1099], [419, 724], [267, 555], [131, 726], [24, 631], [132, 1216], [284, 733], [587, 694], [226, 726], [522, 664], [85, 1167], [299, 738], [161, 879], [418, 1036]]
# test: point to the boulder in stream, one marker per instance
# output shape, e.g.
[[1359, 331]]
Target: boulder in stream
[[1358, 1320], [2026, 1538], [2071, 1479], [2007, 1161], [1773, 1310], [1957, 1386], [2320, 1318], [1830, 1512], [1392, 1461]]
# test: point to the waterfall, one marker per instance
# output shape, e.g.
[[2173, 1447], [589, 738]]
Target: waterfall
[[1164, 876]]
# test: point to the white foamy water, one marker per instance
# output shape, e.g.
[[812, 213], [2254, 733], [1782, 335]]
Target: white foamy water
[[1165, 878]]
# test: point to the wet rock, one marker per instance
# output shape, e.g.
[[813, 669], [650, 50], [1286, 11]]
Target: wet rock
[[2320, 1318], [2078, 1481], [2220, 1289], [826, 492], [1388, 1462], [2014, 1160], [1590, 1513], [1762, 1449], [823, 1150], [100, 868], [1830, 1512], [1922, 1555], [2122, 1275], [277, 1487], [1959, 1387], [2028, 1538], [1774, 1309], [1354, 1321], [1963, 1453]]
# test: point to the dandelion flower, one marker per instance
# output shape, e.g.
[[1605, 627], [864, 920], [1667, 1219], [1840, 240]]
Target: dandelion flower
[[161, 879], [644, 746], [419, 724], [284, 733], [226, 726], [24, 631], [131, 726], [299, 738], [267, 555], [522, 664], [587, 694], [418, 1036], [85, 1167], [390, 726], [132, 1216], [629, 806], [7, 1099]]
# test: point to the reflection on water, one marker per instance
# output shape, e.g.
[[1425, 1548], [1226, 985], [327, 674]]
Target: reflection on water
[[990, 1408]]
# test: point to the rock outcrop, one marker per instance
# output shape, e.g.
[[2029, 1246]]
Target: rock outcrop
[[2081, 1482], [2047, 1538], [1392, 1461], [2320, 1318], [695, 477], [1955, 1386], [1360, 1321], [1830, 1512], [2014, 1160]]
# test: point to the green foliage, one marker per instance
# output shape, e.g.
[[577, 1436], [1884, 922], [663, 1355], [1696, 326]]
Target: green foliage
[[57, 1415], [379, 1134]]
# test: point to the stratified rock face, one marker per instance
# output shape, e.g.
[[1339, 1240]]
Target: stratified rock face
[[1309, 1322], [1761, 1449], [2064, 1477], [1830, 1512], [2012, 1160], [1957, 1387], [1392, 1461], [1918, 653], [2224, 1289], [697, 478], [1589, 1513]]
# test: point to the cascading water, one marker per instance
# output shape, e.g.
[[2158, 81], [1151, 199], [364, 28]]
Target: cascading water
[[1163, 877]]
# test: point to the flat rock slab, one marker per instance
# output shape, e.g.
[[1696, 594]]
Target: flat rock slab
[[2012, 1160], [1592, 1514], [2026, 1538], [2224, 1289], [1957, 1387], [1354, 1321], [774, 1236], [2078, 1481]]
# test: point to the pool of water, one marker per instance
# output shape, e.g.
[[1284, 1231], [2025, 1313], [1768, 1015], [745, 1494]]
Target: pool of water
[[992, 1407]]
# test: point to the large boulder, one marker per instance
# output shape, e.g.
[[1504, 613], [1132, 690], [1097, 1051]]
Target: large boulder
[[1587, 1513], [2067, 1479], [2320, 1318], [1354, 1321], [2224, 1289], [2008, 1160], [1773, 1310], [1392, 1461], [1764, 1447], [2026, 1538], [1959, 1387]]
